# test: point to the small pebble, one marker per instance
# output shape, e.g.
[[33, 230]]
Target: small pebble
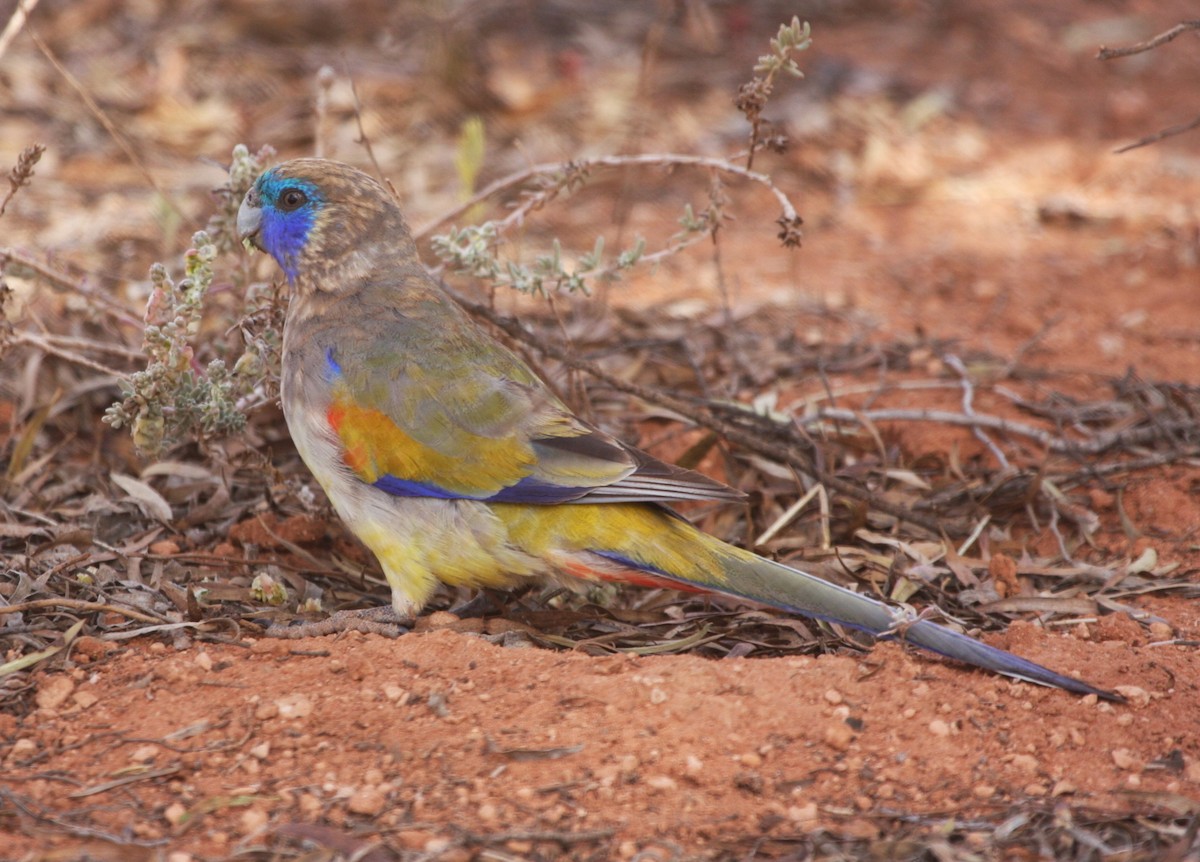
[[54, 692], [91, 647], [803, 813], [1160, 631], [661, 782], [939, 728], [1191, 771], [367, 801], [751, 760], [294, 706], [165, 547], [1124, 758], [1027, 762], [175, 812], [838, 736], [1135, 694], [144, 753], [254, 819], [1062, 788], [23, 748]]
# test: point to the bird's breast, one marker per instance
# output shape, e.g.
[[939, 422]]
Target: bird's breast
[[306, 397]]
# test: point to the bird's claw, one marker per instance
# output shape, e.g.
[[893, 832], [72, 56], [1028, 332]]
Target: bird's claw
[[381, 620]]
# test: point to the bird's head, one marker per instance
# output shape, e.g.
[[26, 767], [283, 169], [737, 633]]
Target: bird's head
[[320, 218]]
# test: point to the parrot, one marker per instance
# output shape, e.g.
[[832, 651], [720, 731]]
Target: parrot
[[453, 462]]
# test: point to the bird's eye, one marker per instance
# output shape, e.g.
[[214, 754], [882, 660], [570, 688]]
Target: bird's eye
[[292, 199]]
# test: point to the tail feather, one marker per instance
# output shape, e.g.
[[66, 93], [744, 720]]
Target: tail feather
[[753, 577]]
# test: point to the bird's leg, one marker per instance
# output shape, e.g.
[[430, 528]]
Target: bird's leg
[[381, 620], [483, 603], [490, 602]]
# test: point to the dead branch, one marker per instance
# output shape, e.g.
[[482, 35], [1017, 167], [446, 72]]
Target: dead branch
[[16, 22], [667, 160], [1150, 44], [1162, 134], [1051, 442]]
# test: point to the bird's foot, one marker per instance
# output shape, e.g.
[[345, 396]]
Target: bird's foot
[[481, 604], [490, 602], [382, 620]]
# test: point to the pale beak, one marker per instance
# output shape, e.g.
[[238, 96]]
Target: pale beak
[[249, 217]]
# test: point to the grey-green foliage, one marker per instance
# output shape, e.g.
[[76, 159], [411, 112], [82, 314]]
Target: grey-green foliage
[[791, 37], [175, 399], [472, 251]]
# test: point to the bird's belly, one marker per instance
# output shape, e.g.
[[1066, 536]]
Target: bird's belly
[[420, 541]]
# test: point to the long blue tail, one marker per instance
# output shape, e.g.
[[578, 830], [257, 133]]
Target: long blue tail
[[788, 589]]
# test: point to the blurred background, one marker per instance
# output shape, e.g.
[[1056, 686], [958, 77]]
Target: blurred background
[[938, 106]]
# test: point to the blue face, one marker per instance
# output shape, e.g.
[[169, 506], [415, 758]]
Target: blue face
[[289, 210]]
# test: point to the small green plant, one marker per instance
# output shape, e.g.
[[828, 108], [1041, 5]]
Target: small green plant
[[469, 155], [752, 96], [175, 398]]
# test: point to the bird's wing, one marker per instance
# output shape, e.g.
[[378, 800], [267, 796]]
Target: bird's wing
[[432, 411]]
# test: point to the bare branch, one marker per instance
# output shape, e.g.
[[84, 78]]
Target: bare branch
[[519, 178], [1150, 44], [16, 22], [1154, 138]]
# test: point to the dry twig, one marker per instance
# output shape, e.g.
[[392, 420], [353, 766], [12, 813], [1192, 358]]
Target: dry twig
[[1179, 29]]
